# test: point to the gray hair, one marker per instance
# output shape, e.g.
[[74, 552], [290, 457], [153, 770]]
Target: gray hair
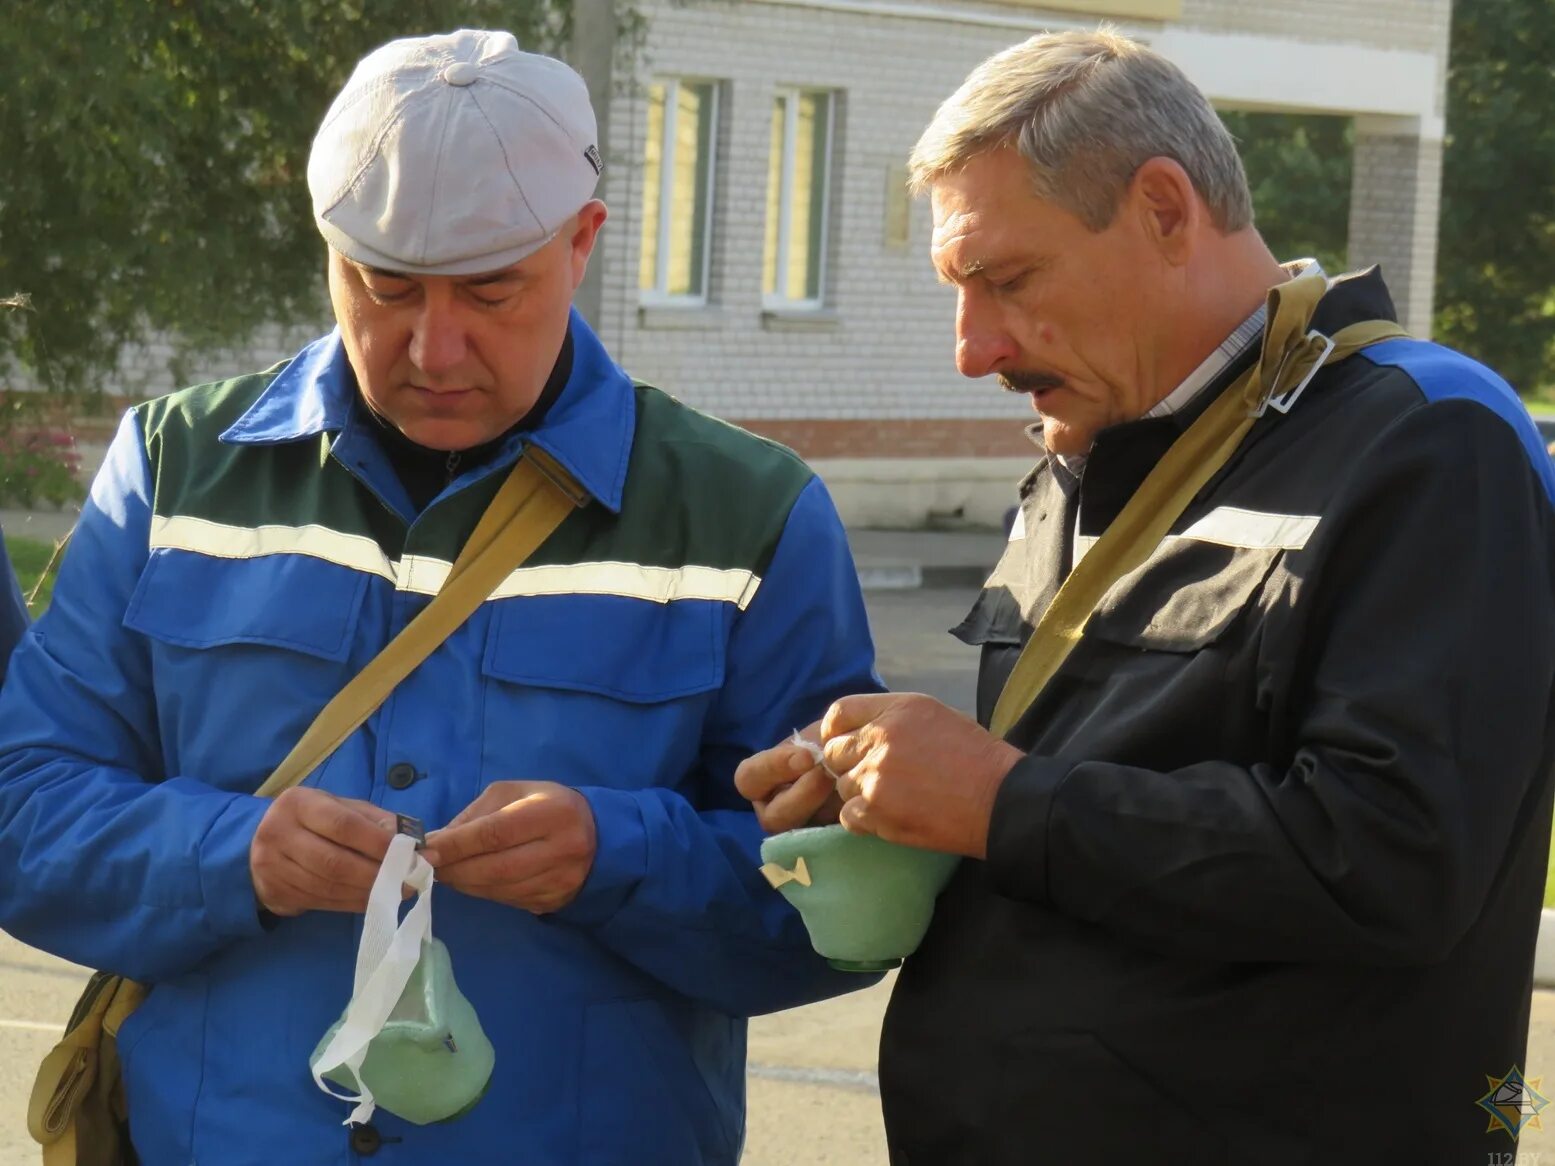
[[1086, 110]]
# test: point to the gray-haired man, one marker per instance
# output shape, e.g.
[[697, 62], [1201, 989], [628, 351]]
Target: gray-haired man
[[1257, 876]]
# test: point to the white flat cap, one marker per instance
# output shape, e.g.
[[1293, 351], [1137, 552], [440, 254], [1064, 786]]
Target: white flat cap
[[450, 155]]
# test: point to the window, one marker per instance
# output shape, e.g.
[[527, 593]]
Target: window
[[798, 179], [678, 191]]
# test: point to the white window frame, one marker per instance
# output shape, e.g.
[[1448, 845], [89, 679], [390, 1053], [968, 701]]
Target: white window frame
[[777, 301], [656, 296]]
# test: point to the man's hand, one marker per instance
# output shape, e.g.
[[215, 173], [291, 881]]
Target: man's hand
[[788, 787], [314, 851], [913, 771], [529, 844]]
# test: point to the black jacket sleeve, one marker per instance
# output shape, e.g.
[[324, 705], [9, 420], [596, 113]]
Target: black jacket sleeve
[[1419, 717]]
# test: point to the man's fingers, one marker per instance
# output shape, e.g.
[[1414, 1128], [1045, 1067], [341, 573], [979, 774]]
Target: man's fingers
[[493, 798], [843, 752], [534, 853], [760, 775], [797, 804], [512, 824], [511, 866], [278, 893], [314, 850], [543, 891], [333, 865], [291, 889], [854, 712], [319, 891], [358, 826], [855, 817]]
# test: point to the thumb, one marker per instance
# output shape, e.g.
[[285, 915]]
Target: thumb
[[494, 797]]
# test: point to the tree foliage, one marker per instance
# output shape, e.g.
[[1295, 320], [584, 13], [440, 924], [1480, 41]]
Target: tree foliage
[[1495, 273], [1495, 284], [1298, 167], [155, 156]]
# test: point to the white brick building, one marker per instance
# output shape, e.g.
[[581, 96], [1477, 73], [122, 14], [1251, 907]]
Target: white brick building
[[723, 112]]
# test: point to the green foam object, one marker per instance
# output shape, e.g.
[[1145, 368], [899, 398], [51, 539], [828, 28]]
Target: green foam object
[[432, 1061], [869, 902]]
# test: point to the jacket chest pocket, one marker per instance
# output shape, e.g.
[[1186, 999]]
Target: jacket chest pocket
[[1164, 674], [1167, 670], [600, 690], [244, 652], [1184, 597]]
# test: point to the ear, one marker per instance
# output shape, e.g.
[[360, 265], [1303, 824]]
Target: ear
[[585, 232], [1166, 207]]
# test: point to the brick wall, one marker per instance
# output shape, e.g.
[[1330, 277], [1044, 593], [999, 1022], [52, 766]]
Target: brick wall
[[1420, 25], [1394, 204], [883, 351]]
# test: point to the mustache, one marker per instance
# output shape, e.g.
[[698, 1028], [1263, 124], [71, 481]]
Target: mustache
[[1029, 382]]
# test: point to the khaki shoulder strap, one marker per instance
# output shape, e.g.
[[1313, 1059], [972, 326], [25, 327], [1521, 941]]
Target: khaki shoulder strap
[[1290, 355], [537, 495]]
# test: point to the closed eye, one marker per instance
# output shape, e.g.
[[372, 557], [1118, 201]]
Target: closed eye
[[385, 297], [490, 301], [1012, 283], [386, 287], [493, 291]]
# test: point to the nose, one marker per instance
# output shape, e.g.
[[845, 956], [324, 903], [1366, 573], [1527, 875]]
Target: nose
[[438, 342], [983, 345]]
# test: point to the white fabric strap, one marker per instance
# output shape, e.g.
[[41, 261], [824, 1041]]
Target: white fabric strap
[[386, 959]]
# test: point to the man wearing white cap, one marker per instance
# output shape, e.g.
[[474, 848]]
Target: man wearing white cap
[[250, 545]]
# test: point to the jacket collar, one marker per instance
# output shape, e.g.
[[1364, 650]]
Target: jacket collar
[[1124, 454], [589, 430]]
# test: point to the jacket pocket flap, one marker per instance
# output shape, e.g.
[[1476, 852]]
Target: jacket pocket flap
[[629, 649], [1183, 597], [995, 618], [284, 601]]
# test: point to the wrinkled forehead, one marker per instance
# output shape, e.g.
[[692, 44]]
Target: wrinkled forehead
[[973, 229], [991, 187]]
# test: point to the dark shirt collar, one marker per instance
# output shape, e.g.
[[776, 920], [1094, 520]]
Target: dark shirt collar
[[426, 472]]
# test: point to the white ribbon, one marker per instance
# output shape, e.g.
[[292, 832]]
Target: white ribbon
[[385, 961], [815, 751]]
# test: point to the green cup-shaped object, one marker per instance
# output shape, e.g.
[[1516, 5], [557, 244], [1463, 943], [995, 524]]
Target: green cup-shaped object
[[868, 902], [432, 1061]]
